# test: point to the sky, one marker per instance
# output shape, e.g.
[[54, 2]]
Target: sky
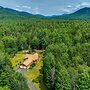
[[46, 7]]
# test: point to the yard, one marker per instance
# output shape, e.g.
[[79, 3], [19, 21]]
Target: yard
[[17, 60], [33, 74]]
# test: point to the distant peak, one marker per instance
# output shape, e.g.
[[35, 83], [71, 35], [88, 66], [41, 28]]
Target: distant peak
[[1, 7], [86, 8]]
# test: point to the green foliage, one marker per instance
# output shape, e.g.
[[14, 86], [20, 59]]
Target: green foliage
[[83, 80], [49, 64], [10, 44], [8, 77], [4, 88], [86, 53], [62, 81], [67, 45]]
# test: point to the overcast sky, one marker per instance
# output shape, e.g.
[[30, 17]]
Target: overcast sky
[[46, 7]]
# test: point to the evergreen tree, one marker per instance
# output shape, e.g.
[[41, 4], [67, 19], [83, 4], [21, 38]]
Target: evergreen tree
[[62, 81]]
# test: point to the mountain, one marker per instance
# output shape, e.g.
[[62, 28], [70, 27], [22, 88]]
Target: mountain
[[7, 13], [82, 14], [83, 11]]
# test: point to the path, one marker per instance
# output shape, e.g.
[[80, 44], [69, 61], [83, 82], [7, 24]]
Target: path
[[30, 85]]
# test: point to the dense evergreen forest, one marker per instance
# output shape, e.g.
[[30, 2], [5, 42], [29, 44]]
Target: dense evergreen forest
[[66, 62]]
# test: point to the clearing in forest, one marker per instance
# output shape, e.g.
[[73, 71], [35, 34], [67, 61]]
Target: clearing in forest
[[34, 73]]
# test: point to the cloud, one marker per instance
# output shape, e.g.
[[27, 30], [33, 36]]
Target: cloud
[[85, 4], [68, 9], [65, 10], [81, 5], [35, 11], [18, 6], [26, 7], [17, 9], [69, 6], [73, 8]]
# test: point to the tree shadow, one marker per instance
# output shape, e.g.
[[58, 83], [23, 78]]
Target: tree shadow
[[42, 84], [39, 80]]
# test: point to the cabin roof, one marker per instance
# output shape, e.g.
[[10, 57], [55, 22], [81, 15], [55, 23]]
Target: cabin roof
[[30, 58]]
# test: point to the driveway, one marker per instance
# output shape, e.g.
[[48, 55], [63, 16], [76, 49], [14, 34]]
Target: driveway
[[30, 84]]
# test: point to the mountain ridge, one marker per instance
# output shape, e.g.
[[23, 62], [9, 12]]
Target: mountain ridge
[[83, 14]]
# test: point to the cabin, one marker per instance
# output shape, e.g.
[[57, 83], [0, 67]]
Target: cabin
[[29, 59]]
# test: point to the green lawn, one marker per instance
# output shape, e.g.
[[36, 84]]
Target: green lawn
[[18, 59]]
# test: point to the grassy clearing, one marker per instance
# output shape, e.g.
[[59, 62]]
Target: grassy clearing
[[18, 59], [34, 74]]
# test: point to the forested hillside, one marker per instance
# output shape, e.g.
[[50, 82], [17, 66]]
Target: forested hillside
[[81, 14], [7, 13], [66, 63]]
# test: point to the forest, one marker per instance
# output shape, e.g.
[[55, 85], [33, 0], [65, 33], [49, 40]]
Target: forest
[[66, 62]]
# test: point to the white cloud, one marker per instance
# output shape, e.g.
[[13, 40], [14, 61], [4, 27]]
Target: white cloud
[[84, 4], [17, 9], [69, 6], [65, 9], [72, 8], [26, 7], [35, 11]]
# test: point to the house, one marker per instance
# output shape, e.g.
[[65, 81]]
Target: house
[[29, 59]]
